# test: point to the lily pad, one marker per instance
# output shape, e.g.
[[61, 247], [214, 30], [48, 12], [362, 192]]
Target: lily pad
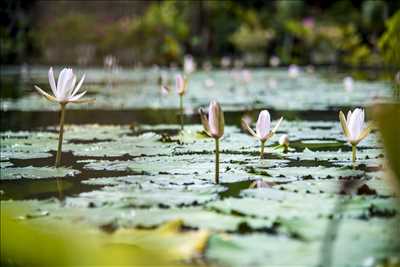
[[35, 172]]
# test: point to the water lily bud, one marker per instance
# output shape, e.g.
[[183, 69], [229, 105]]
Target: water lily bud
[[348, 83], [284, 140], [263, 125], [180, 84], [216, 120]]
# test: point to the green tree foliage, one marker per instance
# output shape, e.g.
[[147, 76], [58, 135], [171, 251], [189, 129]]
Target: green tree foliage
[[389, 43]]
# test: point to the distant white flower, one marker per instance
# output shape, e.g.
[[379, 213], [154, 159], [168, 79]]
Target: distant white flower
[[65, 91], [284, 140], [226, 62], [110, 61], [207, 66], [348, 83], [293, 71], [310, 69], [189, 65], [209, 83], [274, 61]]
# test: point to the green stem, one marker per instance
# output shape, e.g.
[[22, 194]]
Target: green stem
[[353, 149], [216, 160], [59, 188], [61, 133], [181, 110], [285, 149], [262, 149]]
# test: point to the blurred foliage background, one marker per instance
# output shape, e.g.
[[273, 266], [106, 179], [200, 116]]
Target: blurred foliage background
[[351, 33]]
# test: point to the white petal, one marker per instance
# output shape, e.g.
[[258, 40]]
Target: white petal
[[70, 86], [353, 123], [63, 80], [79, 85], [263, 124], [348, 117], [77, 96], [46, 95], [360, 123], [65, 94], [52, 82]]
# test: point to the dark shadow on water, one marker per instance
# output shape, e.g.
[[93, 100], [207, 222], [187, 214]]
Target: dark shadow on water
[[28, 120], [20, 189]]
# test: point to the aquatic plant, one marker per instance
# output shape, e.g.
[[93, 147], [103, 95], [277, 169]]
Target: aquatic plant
[[284, 142], [65, 92], [214, 127], [354, 128], [181, 86], [263, 129]]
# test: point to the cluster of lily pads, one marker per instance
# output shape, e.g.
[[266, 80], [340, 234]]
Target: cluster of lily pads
[[66, 91]]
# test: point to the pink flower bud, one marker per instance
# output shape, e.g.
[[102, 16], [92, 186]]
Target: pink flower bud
[[216, 120], [180, 84], [263, 126]]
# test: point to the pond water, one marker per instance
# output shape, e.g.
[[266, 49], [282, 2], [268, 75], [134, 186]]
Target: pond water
[[126, 164]]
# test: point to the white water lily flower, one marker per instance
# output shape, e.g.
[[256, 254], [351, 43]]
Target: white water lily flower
[[65, 91], [354, 126], [263, 126], [263, 129]]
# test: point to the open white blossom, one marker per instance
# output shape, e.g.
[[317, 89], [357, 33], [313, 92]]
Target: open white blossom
[[65, 91]]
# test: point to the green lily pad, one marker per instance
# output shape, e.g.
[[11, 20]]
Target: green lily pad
[[35, 172], [314, 172]]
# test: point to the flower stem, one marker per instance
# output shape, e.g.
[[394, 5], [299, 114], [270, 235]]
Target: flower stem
[[262, 149], [181, 110], [61, 133], [353, 149], [216, 160]]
